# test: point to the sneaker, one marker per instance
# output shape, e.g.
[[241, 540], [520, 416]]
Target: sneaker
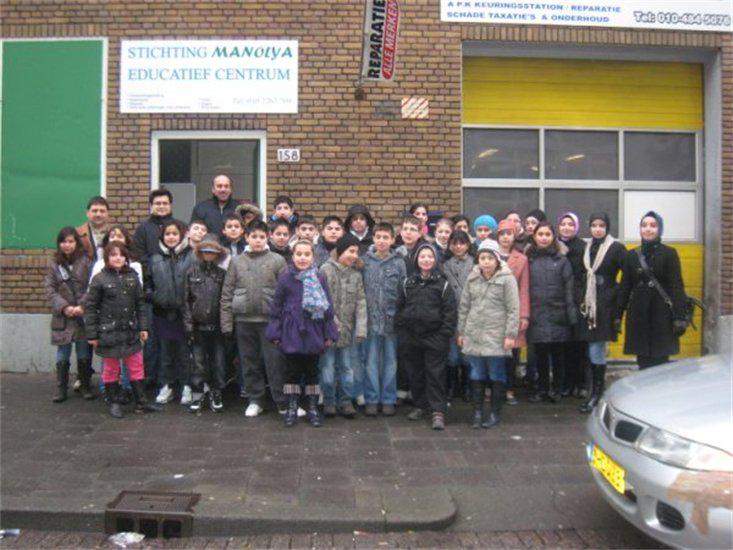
[[77, 386], [387, 410], [510, 399], [416, 414], [165, 395], [215, 401], [438, 421], [329, 411], [197, 402], [253, 410], [360, 402], [370, 409], [301, 412], [348, 410], [186, 395]]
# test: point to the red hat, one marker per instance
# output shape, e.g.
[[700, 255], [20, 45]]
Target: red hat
[[506, 224]]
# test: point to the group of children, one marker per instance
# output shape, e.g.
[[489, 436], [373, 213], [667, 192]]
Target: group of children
[[353, 315]]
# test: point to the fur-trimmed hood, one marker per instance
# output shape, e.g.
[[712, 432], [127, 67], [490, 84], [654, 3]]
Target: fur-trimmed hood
[[210, 241], [248, 208]]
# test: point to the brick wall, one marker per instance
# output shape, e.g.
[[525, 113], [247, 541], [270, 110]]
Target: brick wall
[[351, 150]]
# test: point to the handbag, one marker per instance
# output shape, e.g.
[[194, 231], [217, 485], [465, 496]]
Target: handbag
[[690, 302]]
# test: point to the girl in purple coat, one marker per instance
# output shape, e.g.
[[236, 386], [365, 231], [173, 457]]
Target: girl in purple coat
[[302, 325]]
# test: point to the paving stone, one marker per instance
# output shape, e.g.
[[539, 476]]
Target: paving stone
[[342, 497]]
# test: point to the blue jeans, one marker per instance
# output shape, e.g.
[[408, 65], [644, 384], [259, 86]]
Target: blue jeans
[[335, 366], [358, 366], [83, 351], [597, 352], [381, 370], [487, 368]]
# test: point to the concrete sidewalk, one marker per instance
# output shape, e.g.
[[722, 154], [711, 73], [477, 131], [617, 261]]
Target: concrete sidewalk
[[62, 463]]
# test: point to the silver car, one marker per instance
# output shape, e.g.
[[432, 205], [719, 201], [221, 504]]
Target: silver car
[[660, 447]]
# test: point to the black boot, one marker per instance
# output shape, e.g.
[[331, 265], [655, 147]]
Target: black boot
[[498, 390], [478, 391], [112, 390], [314, 416], [62, 382], [598, 383], [291, 414], [84, 374], [141, 402]]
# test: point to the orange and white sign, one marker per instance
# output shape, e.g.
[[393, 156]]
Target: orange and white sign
[[415, 107]]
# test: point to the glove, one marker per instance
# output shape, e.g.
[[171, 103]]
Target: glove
[[679, 327], [617, 325]]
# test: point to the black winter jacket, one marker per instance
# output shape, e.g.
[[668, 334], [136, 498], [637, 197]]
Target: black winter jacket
[[114, 312], [427, 313], [576, 249], [202, 295], [146, 239], [213, 214], [648, 318], [553, 312], [607, 294], [165, 280]]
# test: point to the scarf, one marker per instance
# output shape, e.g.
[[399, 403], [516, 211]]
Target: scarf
[[588, 307], [315, 300]]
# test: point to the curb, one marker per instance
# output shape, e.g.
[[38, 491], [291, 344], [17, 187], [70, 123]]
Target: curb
[[414, 509]]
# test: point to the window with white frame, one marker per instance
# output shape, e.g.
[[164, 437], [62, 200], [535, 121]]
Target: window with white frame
[[622, 172]]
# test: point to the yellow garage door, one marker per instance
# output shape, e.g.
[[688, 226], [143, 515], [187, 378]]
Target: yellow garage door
[[578, 94]]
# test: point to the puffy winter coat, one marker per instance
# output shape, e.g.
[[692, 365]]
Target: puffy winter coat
[[166, 278], [348, 300], [382, 281], [519, 266], [488, 312], [146, 240], [202, 292], [323, 253], [249, 287], [114, 312], [648, 318], [426, 310], [291, 325], [607, 295], [66, 286], [553, 312]]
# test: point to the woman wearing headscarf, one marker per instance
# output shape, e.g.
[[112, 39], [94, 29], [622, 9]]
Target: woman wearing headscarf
[[653, 324], [568, 227], [603, 259]]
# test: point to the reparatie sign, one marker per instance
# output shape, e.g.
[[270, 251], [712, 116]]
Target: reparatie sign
[[381, 23]]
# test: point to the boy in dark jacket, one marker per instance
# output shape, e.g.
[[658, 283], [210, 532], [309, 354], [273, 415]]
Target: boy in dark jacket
[[279, 238], [202, 294], [360, 224], [426, 321]]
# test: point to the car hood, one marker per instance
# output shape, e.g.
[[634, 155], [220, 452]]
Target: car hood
[[692, 398]]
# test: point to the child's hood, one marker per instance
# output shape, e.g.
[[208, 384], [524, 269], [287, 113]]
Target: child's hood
[[179, 248], [211, 244]]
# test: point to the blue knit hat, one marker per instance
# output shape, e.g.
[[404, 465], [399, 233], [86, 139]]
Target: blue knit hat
[[660, 220], [485, 220]]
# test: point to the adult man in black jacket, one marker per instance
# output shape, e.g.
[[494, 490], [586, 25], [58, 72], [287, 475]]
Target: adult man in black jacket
[[214, 211]]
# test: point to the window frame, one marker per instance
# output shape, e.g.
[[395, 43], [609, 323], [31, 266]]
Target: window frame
[[621, 184]]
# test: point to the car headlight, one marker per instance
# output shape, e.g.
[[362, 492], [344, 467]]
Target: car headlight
[[683, 453]]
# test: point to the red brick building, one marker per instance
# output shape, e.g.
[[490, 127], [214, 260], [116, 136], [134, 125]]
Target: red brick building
[[362, 150]]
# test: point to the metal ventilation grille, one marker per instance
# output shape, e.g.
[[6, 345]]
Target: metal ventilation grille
[[607, 418], [627, 431], [670, 517]]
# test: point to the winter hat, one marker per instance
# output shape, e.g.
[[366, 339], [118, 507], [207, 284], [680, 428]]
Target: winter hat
[[422, 246], [600, 216], [573, 217], [210, 243], [660, 220], [537, 214], [492, 246], [506, 224], [356, 210], [345, 242], [248, 208], [485, 220]]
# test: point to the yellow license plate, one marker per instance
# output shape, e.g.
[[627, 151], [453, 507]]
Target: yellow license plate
[[613, 473]]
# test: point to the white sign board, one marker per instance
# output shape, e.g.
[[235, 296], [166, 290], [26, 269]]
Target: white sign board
[[288, 155], [209, 76], [677, 208], [690, 15]]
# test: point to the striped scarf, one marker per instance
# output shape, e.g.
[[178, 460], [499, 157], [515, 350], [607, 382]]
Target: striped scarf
[[315, 300]]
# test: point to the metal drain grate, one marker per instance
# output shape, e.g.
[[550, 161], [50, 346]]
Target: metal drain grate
[[154, 514]]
